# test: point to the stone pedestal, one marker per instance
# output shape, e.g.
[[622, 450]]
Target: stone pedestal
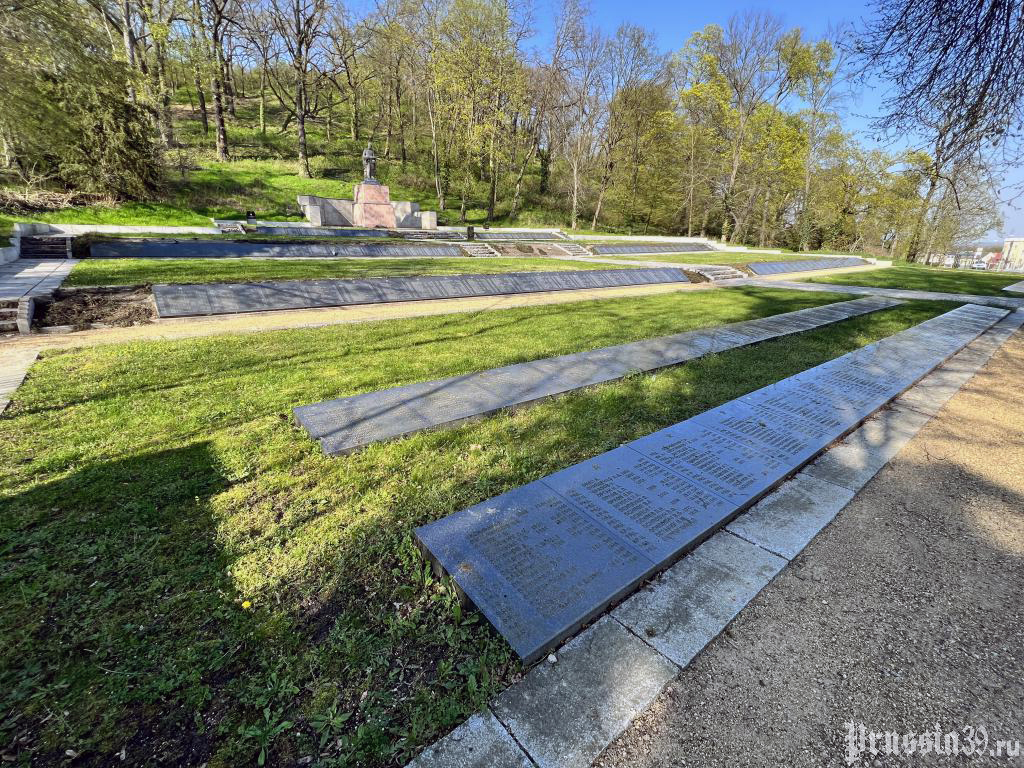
[[372, 206]]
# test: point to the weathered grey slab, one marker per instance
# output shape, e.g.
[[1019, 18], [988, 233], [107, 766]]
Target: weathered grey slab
[[281, 229], [542, 560], [650, 248], [480, 742], [174, 300], [1015, 287], [349, 423], [565, 714], [805, 265], [240, 249], [688, 605], [517, 236], [852, 463], [786, 520], [533, 563]]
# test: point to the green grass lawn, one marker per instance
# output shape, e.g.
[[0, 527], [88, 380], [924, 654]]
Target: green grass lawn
[[703, 257], [138, 271], [921, 278], [186, 577]]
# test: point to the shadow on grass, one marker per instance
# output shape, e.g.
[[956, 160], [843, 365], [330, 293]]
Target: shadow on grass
[[116, 595]]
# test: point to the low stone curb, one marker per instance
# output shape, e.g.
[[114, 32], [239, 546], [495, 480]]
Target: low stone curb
[[14, 366], [26, 309], [567, 710]]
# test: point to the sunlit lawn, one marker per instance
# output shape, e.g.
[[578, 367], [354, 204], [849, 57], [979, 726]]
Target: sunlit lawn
[[921, 278], [187, 578], [705, 257]]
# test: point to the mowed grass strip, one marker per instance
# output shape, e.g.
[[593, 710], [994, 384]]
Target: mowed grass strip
[[187, 578], [707, 257], [91, 272], [921, 278]]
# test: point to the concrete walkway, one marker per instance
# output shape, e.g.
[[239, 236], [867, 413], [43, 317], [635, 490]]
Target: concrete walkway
[[31, 277], [782, 281], [14, 365], [904, 613]]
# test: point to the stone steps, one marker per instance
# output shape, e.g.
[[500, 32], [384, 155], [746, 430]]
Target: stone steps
[[716, 272], [46, 247], [8, 316], [478, 249], [574, 249]]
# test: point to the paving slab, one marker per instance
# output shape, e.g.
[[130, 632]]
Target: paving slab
[[180, 300], [542, 560], [33, 277], [480, 742], [688, 605], [14, 365], [564, 714], [1015, 287], [895, 293], [863, 453], [786, 520], [346, 424]]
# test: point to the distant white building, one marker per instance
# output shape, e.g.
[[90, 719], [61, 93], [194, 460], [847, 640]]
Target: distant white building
[[1013, 255]]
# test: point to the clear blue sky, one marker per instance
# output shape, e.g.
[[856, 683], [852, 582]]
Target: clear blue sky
[[674, 21]]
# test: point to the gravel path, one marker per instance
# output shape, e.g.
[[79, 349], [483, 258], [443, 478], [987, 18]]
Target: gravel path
[[905, 612]]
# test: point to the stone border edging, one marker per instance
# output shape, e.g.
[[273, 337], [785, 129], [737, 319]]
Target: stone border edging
[[564, 714]]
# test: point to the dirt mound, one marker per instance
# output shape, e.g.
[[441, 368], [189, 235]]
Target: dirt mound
[[519, 250], [105, 306]]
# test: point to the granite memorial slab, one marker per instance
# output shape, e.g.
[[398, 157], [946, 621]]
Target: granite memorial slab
[[517, 235], [542, 560], [240, 249], [649, 248], [349, 423], [284, 229], [531, 541], [174, 300], [778, 267]]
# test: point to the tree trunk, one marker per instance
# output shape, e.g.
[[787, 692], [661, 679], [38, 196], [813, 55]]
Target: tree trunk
[[915, 239], [263, 101], [166, 124], [218, 103], [201, 99], [436, 155], [762, 236], [605, 182], [129, 45], [229, 81], [300, 124]]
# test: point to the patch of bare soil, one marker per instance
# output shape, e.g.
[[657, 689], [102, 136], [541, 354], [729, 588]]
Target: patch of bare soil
[[121, 307], [519, 250]]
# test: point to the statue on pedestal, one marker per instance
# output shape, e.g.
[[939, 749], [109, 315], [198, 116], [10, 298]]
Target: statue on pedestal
[[369, 164]]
